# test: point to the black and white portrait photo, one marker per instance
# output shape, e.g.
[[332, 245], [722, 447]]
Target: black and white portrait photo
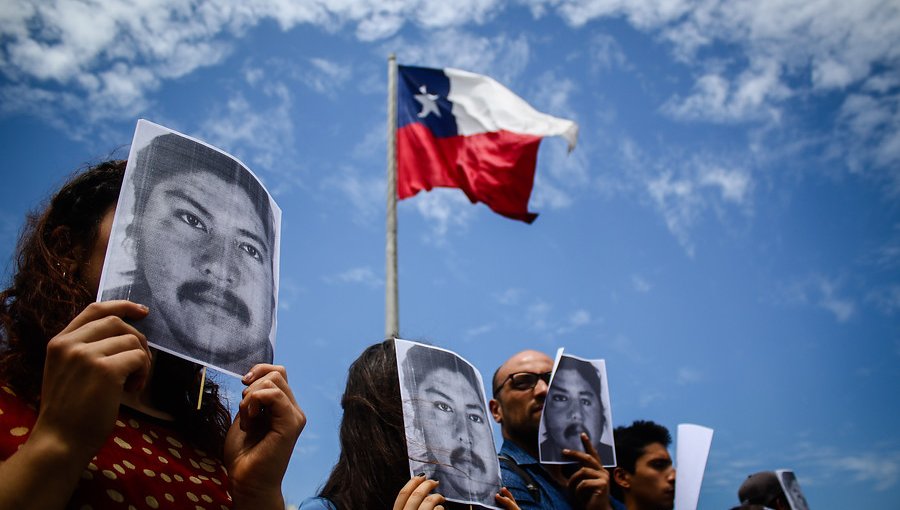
[[791, 488], [448, 427], [196, 239], [577, 401]]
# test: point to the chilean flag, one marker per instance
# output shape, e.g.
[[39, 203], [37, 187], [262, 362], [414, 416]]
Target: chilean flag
[[458, 129]]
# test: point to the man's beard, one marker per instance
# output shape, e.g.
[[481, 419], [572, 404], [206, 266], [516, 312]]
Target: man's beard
[[204, 294]]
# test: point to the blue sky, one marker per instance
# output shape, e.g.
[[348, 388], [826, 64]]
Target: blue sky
[[726, 234]]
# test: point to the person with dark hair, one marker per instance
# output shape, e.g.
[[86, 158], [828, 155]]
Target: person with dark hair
[[203, 234], [763, 488], [95, 417], [574, 407], [372, 470], [520, 388], [644, 478]]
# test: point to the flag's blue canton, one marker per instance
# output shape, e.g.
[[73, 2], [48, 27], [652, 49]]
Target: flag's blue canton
[[436, 83]]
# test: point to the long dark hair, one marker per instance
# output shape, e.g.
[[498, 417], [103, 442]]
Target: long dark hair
[[373, 465], [47, 290]]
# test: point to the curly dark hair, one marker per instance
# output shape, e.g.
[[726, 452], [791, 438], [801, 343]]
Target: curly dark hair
[[48, 289], [373, 464]]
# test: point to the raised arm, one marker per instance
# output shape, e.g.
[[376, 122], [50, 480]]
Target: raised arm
[[260, 441]]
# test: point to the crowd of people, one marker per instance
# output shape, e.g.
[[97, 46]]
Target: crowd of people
[[91, 416]]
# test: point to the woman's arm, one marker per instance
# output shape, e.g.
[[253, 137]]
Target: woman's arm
[[259, 443], [89, 365]]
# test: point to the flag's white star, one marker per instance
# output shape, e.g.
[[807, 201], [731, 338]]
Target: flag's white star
[[428, 101]]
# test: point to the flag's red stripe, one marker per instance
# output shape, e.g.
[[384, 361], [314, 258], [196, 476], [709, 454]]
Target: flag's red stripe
[[495, 168]]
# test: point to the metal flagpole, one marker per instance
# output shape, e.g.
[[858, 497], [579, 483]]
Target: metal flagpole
[[391, 308]]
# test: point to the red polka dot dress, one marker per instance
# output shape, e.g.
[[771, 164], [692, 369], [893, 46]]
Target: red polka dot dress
[[144, 464]]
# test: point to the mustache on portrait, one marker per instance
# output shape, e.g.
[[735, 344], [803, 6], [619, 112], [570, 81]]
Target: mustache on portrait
[[464, 455], [575, 430], [204, 293]]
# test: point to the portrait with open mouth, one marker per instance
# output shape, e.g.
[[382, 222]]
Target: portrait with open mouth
[[577, 403], [448, 428], [196, 239]]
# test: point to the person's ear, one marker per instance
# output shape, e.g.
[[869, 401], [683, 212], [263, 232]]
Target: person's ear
[[496, 410], [622, 478]]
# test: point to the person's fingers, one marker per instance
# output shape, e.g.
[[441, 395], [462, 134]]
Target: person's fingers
[[263, 374], [285, 414], [116, 343], [407, 490], [131, 368], [506, 500], [100, 309], [588, 445], [431, 502], [421, 496], [415, 492], [260, 370], [589, 457]]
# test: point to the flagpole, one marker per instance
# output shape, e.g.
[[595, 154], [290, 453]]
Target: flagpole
[[391, 307]]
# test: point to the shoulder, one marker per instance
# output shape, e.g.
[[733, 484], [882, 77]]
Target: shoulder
[[316, 503]]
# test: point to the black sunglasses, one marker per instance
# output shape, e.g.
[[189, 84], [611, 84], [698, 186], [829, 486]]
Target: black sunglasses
[[524, 380]]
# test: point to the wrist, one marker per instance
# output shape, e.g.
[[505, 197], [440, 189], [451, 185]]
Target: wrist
[[56, 449]]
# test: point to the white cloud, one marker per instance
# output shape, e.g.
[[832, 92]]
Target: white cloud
[[817, 464], [538, 314], [648, 397], [641, 13], [111, 53], [288, 291], [546, 195], [561, 174], [325, 76], [887, 299], [358, 275], [734, 185], [881, 470], [687, 375], [510, 296], [640, 284], [842, 308], [821, 292], [577, 319], [606, 53], [753, 95], [479, 330], [501, 56], [682, 188], [679, 203], [258, 134], [443, 209], [365, 193], [867, 133]]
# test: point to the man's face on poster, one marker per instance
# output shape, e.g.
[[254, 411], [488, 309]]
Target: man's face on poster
[[203, 250], [457, 433], [572, 407]]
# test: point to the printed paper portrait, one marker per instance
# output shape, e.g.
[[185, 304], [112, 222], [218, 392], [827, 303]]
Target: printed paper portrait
[[448, 426], [196, 238], [577, 402], [791, 488]]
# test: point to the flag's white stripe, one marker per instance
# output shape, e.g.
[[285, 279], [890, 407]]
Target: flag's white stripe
[[482, 105]]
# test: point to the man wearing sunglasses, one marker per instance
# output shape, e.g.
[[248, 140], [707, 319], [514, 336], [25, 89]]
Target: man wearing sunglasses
[[520, 388]]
